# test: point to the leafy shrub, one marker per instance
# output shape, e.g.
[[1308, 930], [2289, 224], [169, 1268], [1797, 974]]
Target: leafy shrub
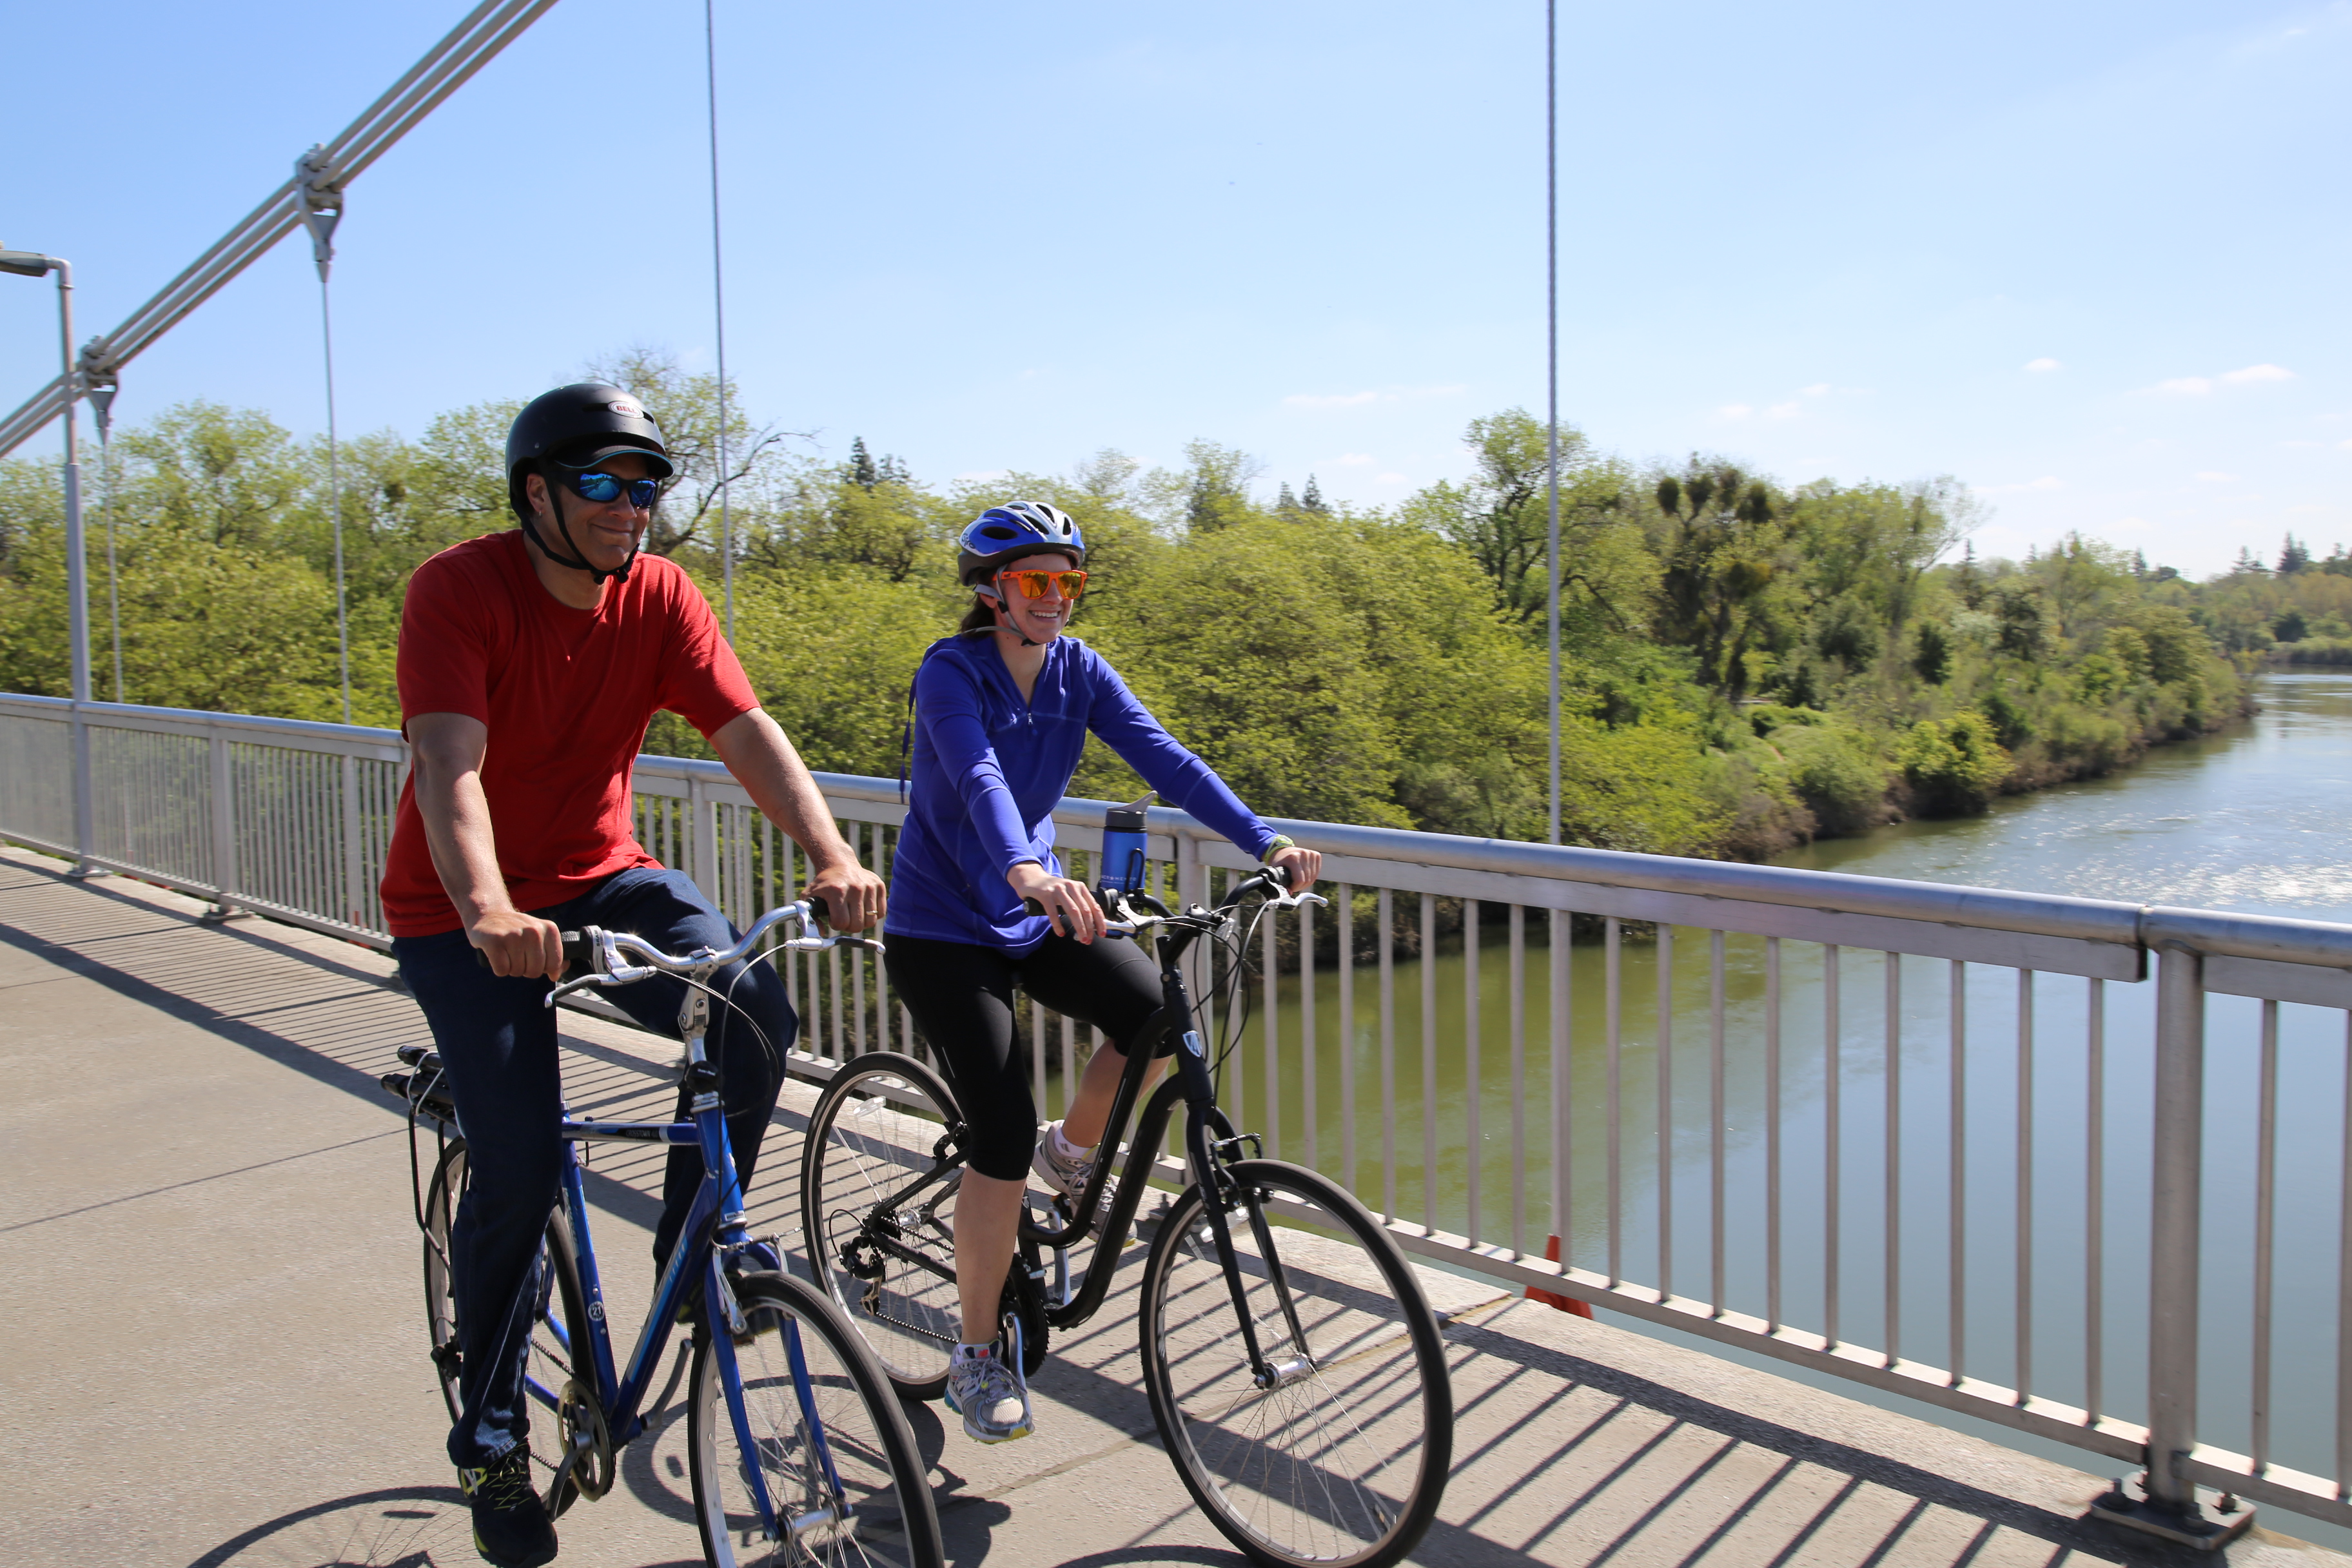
[[1931, 654], [1953, 765], [1837, 774]]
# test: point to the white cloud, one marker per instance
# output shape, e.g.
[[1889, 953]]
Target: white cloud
[[2129, 524], [2042, 366], [2215, 476], [2047, 482], [1393, 479], [1783, 411], [1819, 389], [1357, 461], [2345, 445], [2199, 386], [1734, 411]]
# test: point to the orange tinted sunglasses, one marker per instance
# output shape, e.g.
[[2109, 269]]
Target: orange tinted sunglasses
[[1033, 583]]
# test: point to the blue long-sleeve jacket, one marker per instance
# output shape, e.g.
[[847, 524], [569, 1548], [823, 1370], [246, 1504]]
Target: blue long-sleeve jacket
[[988, 769]]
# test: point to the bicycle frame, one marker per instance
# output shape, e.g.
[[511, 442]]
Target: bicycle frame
[[1206, 1130], [715, 1234]]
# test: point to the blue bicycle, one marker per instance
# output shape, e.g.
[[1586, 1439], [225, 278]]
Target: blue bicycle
[[798, 1449]]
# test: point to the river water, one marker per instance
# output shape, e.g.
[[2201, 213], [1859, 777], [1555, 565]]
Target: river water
[[2246, 820]]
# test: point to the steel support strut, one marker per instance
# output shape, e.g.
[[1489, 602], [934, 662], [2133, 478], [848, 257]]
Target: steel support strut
[[2167, 1503]]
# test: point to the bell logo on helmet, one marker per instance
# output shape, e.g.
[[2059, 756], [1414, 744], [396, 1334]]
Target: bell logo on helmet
[[628, 408]]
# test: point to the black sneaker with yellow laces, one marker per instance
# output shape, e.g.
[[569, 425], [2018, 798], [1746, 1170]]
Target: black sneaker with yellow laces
[[510, 1524]]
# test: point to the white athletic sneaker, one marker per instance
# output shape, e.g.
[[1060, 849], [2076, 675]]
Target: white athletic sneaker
[[1069, 1176], [991, 1395]]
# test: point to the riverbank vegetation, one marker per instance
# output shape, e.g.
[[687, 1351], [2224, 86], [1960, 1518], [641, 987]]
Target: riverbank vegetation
[[1744, 663]]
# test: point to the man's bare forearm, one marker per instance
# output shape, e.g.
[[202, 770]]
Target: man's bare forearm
[[457, 831], [447, 758]]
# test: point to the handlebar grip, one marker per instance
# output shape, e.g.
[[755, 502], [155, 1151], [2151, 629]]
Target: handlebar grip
[[823, 910], [1278, 875], [1031, 906], [577, 952]]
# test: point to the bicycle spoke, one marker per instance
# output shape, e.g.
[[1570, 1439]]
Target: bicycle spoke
[[1334, 1462]]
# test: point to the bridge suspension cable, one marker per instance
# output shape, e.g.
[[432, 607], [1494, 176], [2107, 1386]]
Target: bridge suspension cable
[[323, 209], [1551, 369], [470, 45]]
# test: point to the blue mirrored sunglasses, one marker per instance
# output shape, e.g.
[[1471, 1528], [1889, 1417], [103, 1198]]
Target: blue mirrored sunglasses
[[601, 488]]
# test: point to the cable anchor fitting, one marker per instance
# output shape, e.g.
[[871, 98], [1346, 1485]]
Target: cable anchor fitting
[[319, 202]]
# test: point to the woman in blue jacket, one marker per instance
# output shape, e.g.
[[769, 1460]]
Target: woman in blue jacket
[[1001, 712]]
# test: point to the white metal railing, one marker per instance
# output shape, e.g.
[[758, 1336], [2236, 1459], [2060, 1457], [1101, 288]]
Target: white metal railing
[[1951, 1142]]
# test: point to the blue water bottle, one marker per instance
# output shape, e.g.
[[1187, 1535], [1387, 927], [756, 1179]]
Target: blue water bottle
[[1124, 861]]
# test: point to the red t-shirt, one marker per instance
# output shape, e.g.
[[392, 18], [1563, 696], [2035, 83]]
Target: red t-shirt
[[567, 695]]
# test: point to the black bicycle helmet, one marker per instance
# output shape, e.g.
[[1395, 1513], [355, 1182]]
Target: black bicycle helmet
[[578, 427], [1007, 532]]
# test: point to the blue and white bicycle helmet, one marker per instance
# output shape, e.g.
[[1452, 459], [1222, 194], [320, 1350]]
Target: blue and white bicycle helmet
[[1008, 532]]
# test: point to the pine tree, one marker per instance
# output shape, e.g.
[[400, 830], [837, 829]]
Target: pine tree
[[1285, 503], [893, 471], [860, 469], [2295, 557], [1313, 500]]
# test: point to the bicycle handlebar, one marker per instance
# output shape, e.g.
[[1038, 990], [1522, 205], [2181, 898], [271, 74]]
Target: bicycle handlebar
[[604, 950], [1124, 920]]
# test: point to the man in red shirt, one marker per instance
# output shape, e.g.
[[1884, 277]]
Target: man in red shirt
[[530, 665]]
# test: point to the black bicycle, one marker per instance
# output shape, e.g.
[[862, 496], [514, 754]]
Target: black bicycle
[[1294, 1367]]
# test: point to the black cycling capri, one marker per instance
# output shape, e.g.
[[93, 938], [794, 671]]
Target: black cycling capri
[[961, 995]]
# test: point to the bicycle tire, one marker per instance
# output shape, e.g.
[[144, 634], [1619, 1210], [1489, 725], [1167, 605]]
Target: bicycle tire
[[1285, 1473], [872, 1133], [862, 1426], [550, 1362]]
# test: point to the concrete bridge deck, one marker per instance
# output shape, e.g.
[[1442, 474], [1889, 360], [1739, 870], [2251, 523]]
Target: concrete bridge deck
[[215, 1349]]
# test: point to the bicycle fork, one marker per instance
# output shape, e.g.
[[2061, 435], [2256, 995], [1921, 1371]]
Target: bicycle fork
[[1198, 1086]]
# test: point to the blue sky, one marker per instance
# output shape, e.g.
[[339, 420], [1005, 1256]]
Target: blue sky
[[2089, 258]]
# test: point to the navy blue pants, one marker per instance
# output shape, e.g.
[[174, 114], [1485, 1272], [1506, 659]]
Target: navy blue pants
[[498, 1045]]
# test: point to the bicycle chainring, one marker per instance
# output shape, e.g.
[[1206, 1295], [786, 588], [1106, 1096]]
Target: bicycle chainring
[[581, 1422]]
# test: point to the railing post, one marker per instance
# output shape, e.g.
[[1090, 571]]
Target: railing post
[[2176, 1193], [354, 872], [702, 829], [224, 827], [85, 835]]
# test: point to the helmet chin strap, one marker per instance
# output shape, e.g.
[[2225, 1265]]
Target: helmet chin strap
[[577, 560], [1005, 623]]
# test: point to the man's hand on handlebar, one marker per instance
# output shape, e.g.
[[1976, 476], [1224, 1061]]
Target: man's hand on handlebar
[[1066, 899], [514, 943], [853, 897], [1302, 865]]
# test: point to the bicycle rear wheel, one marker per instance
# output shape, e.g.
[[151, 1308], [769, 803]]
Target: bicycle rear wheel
[[559, 1317], [886, 1255], [1343, 1458], [842, 1424]]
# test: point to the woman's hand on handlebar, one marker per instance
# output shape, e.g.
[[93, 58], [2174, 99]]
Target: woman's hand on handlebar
[[854, 897], [1304, 865], [1072, 907], [515, 943]]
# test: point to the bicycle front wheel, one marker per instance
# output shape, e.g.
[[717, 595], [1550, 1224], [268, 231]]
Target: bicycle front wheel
[[827, 1440], [1333, 1449], [880, 1237]]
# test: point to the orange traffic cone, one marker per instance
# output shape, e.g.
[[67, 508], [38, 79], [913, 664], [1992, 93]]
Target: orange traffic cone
[[1569, 1304]]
